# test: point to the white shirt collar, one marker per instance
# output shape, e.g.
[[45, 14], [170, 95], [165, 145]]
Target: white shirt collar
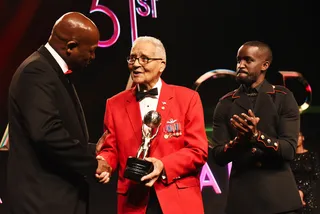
[[157, 85], [63, 65], [150, 103]]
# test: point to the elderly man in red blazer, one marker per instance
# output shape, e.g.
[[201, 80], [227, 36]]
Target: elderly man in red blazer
[[178, 150]]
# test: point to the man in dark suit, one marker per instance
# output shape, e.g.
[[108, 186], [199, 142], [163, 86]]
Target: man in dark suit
[[50, 159], [179, 148], [256, 128]]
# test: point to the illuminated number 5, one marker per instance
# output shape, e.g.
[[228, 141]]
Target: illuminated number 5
[[95, 7]]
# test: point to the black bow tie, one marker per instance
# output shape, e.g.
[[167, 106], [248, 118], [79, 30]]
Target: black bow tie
[[142, 94]]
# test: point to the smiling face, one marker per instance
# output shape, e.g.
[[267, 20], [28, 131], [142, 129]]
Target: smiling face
[[146, 74], [252, 63]]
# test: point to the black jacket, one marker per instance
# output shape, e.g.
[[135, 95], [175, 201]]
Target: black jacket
[[49, 157], [261, 182]]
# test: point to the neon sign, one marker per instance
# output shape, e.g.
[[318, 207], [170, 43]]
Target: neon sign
[[95, 7], [143, 10]]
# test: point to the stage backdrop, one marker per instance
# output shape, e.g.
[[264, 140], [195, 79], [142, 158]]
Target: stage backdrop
[[199, 36]]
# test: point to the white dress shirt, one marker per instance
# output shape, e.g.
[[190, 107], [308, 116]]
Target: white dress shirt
[[63, 65], [150, 103]]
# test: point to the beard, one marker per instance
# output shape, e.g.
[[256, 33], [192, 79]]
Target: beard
[[246, 81], [245, 78]]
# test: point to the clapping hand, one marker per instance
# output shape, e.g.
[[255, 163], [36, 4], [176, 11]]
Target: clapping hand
[[245, 124]]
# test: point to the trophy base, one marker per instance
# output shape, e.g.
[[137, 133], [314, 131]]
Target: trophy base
[[136, 168]]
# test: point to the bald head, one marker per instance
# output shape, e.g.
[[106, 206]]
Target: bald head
[[74, 32], [71, 26]]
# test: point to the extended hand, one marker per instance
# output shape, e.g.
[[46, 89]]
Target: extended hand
[[154, 175], [103, 172]]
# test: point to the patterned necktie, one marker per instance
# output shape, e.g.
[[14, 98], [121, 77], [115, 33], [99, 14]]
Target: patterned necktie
[[140, 95]]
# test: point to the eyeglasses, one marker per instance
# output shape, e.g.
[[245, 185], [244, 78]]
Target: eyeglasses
[[142, 60]]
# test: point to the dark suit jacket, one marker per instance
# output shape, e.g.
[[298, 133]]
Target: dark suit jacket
[[261, 182], [49, 157]]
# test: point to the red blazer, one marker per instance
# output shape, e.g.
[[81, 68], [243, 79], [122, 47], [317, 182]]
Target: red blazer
[[183, 156]]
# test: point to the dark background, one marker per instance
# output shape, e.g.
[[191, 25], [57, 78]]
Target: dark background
[[199, 36]]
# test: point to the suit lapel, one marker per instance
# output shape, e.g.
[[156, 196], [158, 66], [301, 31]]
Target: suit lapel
[[165, 103], [264, 99], [241, 99], [81, 113], [133, 112], [69, 87], [42, 50], [134, 115], [262, 102]]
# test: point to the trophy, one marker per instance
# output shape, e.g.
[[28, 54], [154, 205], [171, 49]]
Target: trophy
[[137, 167]]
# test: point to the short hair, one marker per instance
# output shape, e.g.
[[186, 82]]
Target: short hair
[[160, 50], [263, 46]]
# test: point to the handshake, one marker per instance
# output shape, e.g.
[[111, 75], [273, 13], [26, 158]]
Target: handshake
[[103, 172]]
